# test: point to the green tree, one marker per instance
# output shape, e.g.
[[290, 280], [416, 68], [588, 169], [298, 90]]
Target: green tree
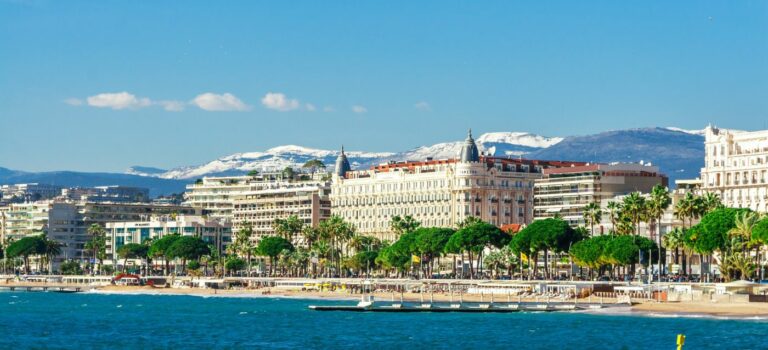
[[634, 206], [592, 215], [551, 235], [272, 247], [430, 244], [405, 224], [289, 228], [188, 248], [314, 165], [24, 248], [235, 264], [70, 267], [132, 251], [159, 248], [253, 173], [288, 173], [97, 243]]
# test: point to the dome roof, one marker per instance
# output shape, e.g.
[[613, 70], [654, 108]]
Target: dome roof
[[342, 164], [469, 152]]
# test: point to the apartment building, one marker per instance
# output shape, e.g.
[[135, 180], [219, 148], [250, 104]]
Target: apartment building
[[566, 191], [736, 167], [307, 200]]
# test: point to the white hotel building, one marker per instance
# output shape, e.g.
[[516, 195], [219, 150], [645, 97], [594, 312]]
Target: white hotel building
[[437, 192], [736, 167]]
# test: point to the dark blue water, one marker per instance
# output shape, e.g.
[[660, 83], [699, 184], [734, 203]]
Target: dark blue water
[[78, 321]]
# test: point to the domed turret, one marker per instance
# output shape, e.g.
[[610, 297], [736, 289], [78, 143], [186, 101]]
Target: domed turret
[[342, 164], [469, 152]]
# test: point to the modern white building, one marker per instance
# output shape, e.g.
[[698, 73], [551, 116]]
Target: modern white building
[[437, 192], [67, 221], [736, 167], [214, 232]]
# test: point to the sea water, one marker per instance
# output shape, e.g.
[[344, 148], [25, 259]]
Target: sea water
[[87, 320]]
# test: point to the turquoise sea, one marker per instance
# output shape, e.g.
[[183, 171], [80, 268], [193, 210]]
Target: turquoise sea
[[86, 321]]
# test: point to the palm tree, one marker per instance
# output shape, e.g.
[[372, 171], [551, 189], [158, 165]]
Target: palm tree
[[660, 201], [288, 228], [97, 243], [592, 215], [403, 224], [51, 249], [243, 245], [634, 206], [614, 209], [674, 240], [744, 224], [711, 201]]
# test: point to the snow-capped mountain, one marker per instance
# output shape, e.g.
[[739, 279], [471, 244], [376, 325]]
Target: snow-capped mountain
[[496, 143]]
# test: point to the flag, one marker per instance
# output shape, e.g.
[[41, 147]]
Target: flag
[[415, 259]]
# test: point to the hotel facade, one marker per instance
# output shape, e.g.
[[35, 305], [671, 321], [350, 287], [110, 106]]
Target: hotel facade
[[437, 192], [736, 167]]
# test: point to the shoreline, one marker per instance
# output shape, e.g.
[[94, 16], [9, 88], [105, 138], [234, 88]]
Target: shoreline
[[746, 311], [698, 309]]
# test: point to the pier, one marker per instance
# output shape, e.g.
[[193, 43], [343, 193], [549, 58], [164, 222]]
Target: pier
[[42, 288]]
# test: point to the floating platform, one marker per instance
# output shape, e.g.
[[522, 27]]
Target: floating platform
[[489, 308]]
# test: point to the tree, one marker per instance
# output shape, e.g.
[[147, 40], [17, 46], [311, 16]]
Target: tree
[[243, 244], [70, 267], [160, 249], [634, 206], [188, 248], [613, 209], [313, 165], [272, 247], [289, 227], [235, 264], [592, 215], [24, 248], [430, 243], [337, 233], [405, 224], [132, 251], [474, 237], [675, 240], [288, 173], [51, 249], [658, 204], [253, 173], [553, 235], [97, 243]]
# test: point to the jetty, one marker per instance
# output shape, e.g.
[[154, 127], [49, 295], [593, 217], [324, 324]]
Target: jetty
[[42, 288], [367, 304]]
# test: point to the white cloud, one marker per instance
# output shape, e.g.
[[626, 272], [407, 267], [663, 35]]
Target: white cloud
[[359, 109], [74, 102], [423, 106], [118, 100], [219, 102], [310, 107], [328, 109], [279, 102], [172, 106]]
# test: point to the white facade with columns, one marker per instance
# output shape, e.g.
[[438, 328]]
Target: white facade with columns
[[736, 167], [439, 193]]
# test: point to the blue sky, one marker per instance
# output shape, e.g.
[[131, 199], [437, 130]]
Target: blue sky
[[100, 86]]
